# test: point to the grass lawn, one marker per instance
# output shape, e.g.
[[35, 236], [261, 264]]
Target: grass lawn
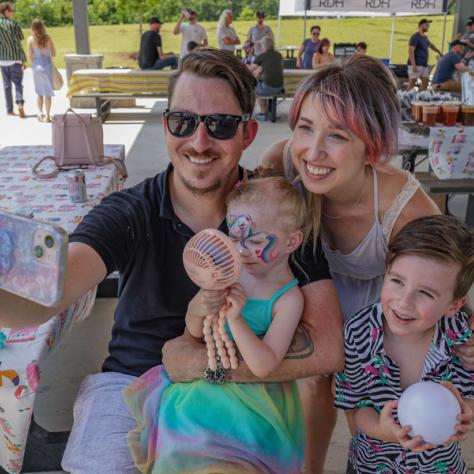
[[117, 42]]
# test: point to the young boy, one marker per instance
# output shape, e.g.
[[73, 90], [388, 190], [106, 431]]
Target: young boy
[[405, 338]]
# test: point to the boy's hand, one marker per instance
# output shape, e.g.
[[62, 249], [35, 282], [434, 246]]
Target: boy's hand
[[465, 351], [386, 421], [207, 302], [236, 300], [400, 434], [465, 426]]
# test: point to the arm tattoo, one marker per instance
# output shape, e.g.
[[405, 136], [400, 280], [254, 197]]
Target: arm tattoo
[[301, 346]]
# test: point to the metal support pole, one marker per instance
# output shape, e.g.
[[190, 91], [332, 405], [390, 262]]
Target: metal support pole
[[304, 27], [391, 36], [278, 33], [443, 37], [81, 26]]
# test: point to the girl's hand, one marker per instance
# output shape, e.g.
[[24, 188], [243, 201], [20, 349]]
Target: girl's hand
[[207, 302], [465, 426], [236, 300], [401, 433], [465, 351]]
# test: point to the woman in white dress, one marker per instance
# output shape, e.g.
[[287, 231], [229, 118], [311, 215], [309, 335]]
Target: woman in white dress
[[40, 53]]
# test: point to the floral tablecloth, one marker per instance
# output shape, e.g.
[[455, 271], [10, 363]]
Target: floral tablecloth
[[24, 351]]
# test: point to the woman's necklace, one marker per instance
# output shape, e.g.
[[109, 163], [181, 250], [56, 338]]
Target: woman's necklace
[[357, 204]]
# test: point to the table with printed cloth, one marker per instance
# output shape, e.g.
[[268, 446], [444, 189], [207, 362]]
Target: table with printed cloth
[[23, 352]]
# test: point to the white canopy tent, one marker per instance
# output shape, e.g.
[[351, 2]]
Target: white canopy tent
[[372, 8]]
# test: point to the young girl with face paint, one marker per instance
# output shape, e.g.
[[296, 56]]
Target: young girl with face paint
[[235, 427]]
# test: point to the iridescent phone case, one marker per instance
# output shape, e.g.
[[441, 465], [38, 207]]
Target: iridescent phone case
[[32, 258]]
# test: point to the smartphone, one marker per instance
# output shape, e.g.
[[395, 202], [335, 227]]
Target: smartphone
[[32, 258]]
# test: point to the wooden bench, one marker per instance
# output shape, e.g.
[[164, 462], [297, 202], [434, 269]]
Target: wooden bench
[[107, 84], [292, 78]]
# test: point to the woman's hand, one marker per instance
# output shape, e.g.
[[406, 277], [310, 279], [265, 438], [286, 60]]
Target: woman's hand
[[465, 418], [236, 300], [465, 351]]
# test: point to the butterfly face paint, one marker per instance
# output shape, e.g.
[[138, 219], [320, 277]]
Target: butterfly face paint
[[262, 244]]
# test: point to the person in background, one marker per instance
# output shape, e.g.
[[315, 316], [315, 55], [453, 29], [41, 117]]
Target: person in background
[[191, 31], [12, 58], [308, 48], [323, 55], [249, 57], [191, 46], [258, 32], [268, 70], [151, 54], [418, 56], [468, 41], [445, 76], [41, 50], [361, 48], [226, 35]]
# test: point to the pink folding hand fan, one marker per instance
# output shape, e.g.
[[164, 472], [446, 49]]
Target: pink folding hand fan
[[213, 263]]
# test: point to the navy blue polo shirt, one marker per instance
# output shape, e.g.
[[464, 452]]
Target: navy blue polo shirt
[[137, 233]]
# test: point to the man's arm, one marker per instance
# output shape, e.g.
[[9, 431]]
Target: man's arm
[[162, 55], [177, 27], [317, 346], [462, 67], [84, 270], [411, 56], [434, 48]]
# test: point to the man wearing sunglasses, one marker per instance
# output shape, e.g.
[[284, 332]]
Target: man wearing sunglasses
[[308, 48], [141, 232]]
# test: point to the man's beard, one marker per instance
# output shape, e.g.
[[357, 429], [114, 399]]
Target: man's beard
[[202, 191]]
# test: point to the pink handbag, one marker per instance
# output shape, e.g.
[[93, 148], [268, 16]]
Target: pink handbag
[[78, 141]]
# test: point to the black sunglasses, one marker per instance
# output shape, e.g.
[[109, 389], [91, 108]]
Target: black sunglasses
[[219, 126]]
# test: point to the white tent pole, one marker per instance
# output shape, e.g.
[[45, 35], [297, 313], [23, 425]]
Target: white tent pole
[[391, 36], [304, 28], [278, 34], [444, 32]]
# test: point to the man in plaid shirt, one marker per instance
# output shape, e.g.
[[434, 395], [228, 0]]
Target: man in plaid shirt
[[12, 57]]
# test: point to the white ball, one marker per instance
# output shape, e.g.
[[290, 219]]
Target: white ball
[[431, 410]]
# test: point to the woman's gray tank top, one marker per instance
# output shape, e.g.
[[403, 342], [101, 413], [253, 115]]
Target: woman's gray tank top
[[358, 275]]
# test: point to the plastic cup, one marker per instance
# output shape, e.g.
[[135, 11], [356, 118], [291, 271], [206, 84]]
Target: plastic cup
[[417, 110], [468, 115], [439, 116], [430, 112], [450, 114]]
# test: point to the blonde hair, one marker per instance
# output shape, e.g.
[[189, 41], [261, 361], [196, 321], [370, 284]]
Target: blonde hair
[[221, 21], [290, 204], [39, 33]]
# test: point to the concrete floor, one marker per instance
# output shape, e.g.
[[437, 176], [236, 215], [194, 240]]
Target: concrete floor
[[83, 349]]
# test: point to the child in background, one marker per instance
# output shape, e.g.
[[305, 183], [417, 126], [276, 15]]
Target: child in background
[[40, 53], [249, 57], [406, 338], [235, 427]]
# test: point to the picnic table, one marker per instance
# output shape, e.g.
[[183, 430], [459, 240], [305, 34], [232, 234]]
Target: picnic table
[[25, 351]]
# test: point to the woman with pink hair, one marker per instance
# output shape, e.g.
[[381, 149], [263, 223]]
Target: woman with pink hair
[[345, 129]]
